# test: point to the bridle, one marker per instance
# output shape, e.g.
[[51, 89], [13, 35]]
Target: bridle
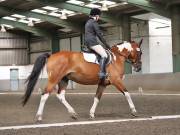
[[128, 60]]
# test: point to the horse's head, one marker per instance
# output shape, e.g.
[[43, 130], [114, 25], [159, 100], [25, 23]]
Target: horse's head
[[132, 53]]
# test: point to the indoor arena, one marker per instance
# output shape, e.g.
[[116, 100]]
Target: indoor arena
[[89, 67]]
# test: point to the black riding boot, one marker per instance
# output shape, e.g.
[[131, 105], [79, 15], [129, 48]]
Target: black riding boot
[[102, 73]]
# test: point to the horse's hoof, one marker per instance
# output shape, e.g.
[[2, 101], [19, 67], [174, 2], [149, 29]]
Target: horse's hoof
[[38, 118], [91, 116], [74, 116], [134, 114]]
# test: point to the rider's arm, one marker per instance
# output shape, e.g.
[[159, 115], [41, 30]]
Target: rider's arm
[[100, 35]]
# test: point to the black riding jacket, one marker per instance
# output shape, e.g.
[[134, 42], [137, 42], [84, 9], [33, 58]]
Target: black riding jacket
[[91, 32]]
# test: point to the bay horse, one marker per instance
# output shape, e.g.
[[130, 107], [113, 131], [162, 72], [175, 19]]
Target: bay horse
[[65, 65]]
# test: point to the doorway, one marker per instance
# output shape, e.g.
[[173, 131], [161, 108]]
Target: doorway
[[14, 79]]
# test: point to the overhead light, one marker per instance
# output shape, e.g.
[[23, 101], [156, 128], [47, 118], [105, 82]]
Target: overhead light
[[54, 14], [39, 11], [76, 2], [9, 18], [3, 29], [124, 3], [30, 23], [50, 8], [23, 21], [104, 7], [63, 16], [91, 5], [2, 0], [18, 16]]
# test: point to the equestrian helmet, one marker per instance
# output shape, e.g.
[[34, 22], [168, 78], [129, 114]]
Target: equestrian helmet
[[95, 11]]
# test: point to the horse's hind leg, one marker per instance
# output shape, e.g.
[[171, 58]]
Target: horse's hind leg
[[121, 88], [43, 100], [97, 98], [61, 96]]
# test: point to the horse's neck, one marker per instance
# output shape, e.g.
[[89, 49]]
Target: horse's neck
[[120, 57], [123, 51], [119, 62]]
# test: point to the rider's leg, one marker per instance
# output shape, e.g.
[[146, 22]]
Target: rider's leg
[[101, 51]]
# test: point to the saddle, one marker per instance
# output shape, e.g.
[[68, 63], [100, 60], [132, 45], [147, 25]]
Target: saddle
[[91, 56]]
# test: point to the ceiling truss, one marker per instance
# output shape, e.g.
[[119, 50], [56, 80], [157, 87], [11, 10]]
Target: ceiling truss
[[108, 17]]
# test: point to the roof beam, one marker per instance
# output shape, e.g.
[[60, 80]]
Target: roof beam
[[85, 10], [22, 26], [43, 17], [135, 20], [105, 16], [149, 6], [58, 3], [54, 20], [138, 13]]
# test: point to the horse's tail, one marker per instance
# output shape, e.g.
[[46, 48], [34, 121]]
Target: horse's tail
[[33, 77]]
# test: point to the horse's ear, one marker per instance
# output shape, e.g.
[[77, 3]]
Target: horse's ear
[[140, 43]]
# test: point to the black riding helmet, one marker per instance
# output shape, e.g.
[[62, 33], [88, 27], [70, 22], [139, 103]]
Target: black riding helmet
[[95, 11]]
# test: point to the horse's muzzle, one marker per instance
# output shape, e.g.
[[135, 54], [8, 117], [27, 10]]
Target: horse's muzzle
[[137, 66], [137, 69]]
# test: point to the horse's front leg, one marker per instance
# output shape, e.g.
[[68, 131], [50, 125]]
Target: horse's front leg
[[120, 87], [97, 98]]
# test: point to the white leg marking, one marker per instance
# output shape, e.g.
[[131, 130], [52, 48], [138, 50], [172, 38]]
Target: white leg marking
[[41, 105], [131, 104], [93, 108], [62, 98]]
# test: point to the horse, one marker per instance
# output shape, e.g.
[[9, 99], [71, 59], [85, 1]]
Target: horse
[[68, 65]]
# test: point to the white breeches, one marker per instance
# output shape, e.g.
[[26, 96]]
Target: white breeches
[[100, 50]]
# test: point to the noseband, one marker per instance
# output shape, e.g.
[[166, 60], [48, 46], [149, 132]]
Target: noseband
[[130, 61]]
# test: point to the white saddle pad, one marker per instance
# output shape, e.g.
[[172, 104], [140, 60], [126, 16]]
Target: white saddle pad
[[90, 57]]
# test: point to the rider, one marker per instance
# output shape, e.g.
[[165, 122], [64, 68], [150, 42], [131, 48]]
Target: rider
[[91, 32]]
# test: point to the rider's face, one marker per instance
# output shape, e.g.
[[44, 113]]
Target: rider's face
[[97, 17]]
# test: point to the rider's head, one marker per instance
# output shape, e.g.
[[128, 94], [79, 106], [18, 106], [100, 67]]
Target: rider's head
[[95, 13]]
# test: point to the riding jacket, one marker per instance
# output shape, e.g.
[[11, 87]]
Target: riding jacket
[[91, 32]]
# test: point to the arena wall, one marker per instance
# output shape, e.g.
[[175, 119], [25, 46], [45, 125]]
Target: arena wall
[[156, 81]]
